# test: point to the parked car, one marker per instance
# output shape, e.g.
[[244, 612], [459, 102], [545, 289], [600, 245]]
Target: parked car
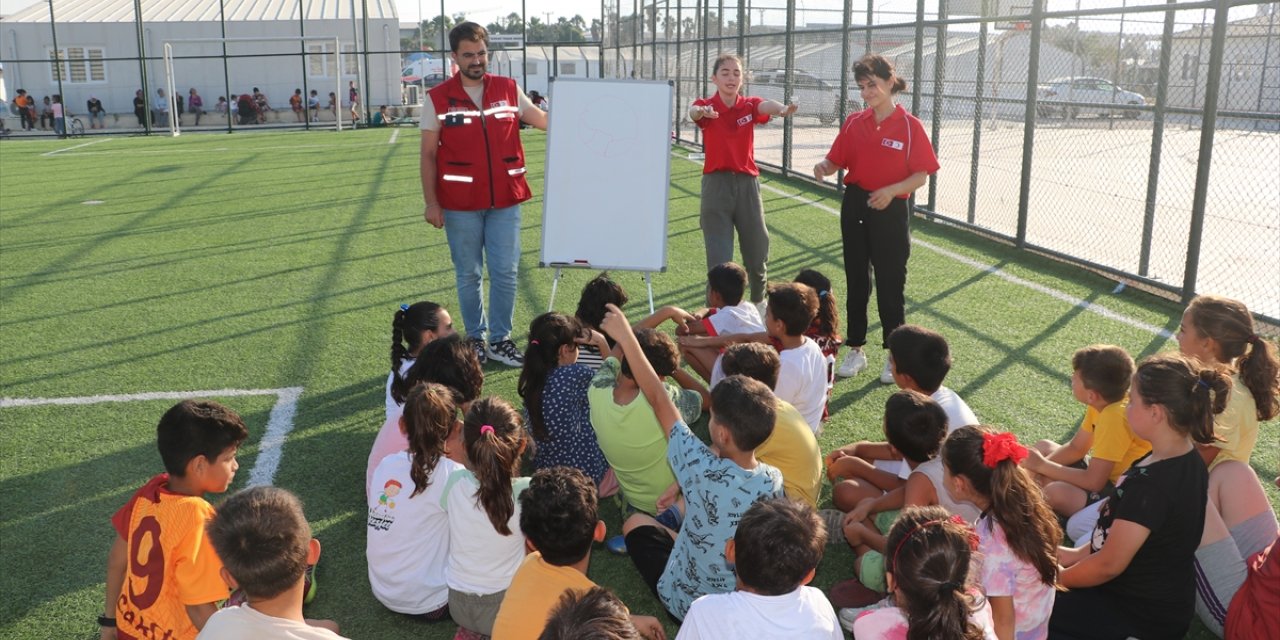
[[816, 97], [1070, 97]]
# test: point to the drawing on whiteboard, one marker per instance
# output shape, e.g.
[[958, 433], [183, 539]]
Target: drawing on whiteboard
[[607, 128]]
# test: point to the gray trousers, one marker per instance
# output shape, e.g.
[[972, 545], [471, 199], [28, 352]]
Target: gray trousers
[[731, 201]]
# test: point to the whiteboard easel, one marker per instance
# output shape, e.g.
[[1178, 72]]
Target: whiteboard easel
[[608, 177]]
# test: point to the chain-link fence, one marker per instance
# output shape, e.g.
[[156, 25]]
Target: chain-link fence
[[1140, 138]]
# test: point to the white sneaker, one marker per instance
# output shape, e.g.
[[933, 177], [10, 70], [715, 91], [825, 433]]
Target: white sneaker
[[848, 615], [506, 352], [762, 306], [854, 362], [886, 376]]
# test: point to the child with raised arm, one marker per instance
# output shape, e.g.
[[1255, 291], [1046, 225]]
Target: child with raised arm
[[1073, 481], [265, 543], [792, 447], [775, 553], [1135, 575], [559, 518], [554, 389], [1018, 534], [407, 535], [727, 313], [928, 572], [919, 360], [485, 543], [719, 485], [163, 575], [730, 178]]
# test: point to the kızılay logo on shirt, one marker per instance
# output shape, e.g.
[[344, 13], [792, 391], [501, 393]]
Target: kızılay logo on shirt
[[892, 144], [744, 120]]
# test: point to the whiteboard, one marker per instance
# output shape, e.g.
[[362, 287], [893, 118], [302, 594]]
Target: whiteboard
[[608, 173]]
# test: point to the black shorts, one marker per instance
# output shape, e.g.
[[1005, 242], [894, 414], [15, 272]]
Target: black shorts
[[650, 548]]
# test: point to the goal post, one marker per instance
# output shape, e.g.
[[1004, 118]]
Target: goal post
[[170, 83]]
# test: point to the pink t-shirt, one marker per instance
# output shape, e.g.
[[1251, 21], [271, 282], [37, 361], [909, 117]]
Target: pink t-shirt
[[890, 623], [1004, 574], [390, 440]]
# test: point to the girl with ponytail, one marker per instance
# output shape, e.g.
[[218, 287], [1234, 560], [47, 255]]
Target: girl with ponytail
[[554, 388], [1018, 533], [1220, 332], [408, 535], [927, 570], [1136, 576], [485, 543], [412, 327]]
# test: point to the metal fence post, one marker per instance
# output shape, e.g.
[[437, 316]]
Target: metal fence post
[[917, 60], [790, 63], [1029, 120], [1157, 142], [142, 66], [939, 76], [1207, 124], [980, 81]]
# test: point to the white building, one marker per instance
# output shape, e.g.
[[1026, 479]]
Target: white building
[[99, 41], [1250, 65], [540, 63]]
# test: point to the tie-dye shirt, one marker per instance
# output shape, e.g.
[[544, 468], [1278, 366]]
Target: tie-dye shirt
[[890, 623], [1004, 574]]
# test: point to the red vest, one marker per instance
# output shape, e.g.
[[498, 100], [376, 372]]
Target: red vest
[[480, 162]]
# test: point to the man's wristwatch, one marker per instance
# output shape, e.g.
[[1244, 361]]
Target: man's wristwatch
[[106, 621]]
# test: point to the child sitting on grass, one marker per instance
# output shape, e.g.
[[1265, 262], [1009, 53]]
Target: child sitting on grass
[[596, 614], [919, 360], [915, 426], [792, 447], [554, 389], [163, 575], [719, 485], [485, 543], [1072, 480], [413, 327], [728, 313], [598, 292], [407, 536], [775, 553], [928, 573], [802, 377], [265, 543], [558, 515]]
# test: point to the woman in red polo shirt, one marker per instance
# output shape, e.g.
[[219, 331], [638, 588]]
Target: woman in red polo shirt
[[887, 156], [730, 190]]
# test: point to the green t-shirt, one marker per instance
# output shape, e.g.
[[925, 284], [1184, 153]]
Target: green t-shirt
[[631, 438]]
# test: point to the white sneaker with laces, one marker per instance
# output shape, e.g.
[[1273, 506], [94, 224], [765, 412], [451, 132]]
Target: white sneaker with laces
[[886, 376], [848, 615], [854, 362], [506, 352]]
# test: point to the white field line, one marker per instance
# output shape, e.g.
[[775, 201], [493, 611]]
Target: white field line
[[82, 144], [395, 133], [270, 447], [999, 273], [299, 148]]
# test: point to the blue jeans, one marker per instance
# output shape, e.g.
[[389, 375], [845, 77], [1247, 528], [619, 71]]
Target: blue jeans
[[473, 236]]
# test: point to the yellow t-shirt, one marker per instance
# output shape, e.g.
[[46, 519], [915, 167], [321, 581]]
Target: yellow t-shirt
[[1237, 425], [793, 449], [1113, 439], [170, 563], [535, 590]]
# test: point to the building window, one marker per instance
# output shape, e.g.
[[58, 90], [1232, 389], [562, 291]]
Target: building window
[[531, 68], [568, 68], [77, 65], [320, 60]]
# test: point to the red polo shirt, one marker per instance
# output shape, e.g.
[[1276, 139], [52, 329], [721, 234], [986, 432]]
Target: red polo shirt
[[878, 155], [730, 139]]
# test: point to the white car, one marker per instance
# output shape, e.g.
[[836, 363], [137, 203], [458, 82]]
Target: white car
[[1070, 97], [816, 97]]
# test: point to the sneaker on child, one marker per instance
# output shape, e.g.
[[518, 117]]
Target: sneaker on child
[[506, 353], [849, 614], [482, 354], [854, 362]]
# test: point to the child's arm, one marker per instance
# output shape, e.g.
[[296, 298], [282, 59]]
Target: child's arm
[[687, 381], [1123, 542], [865, 450], [1074, 450], [663, 314], [199, 613], [1002, 616], [117, 559], [919, 491], [597, 340], [884, 502], [1092, 478], [698, 112], [775, 108], [720, 341], [649, 627], [615, 324]]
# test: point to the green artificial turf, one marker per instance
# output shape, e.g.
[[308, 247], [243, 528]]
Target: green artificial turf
[[273, 260]]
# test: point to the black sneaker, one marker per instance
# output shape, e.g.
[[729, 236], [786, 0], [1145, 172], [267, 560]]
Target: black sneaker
[[506, 353], [477, 344]]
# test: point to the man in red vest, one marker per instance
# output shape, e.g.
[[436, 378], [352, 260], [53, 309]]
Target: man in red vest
[[473, 183]]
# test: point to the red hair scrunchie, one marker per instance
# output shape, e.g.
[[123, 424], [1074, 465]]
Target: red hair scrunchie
[[997, 447]]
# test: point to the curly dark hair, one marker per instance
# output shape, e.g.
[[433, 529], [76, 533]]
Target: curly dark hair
[[601, 290], [558, 514], [448, 361]]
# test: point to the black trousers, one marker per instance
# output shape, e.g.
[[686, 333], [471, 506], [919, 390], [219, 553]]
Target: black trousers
[[875, 243]]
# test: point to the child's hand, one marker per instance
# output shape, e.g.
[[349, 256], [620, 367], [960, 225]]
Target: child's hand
[[615, 323], [842, 467], [860, 512], [693, 341], [1034, 462], [649, 627], [788, 110], [668, 497], [880, 198], [836, 455], [682, 329], [709, 111]]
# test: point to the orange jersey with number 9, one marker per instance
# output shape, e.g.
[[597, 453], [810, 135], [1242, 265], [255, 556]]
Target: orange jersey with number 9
[[170, 563]]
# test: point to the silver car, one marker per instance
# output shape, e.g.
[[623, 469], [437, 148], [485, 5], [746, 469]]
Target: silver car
[[816, 97], [1070, 97]]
